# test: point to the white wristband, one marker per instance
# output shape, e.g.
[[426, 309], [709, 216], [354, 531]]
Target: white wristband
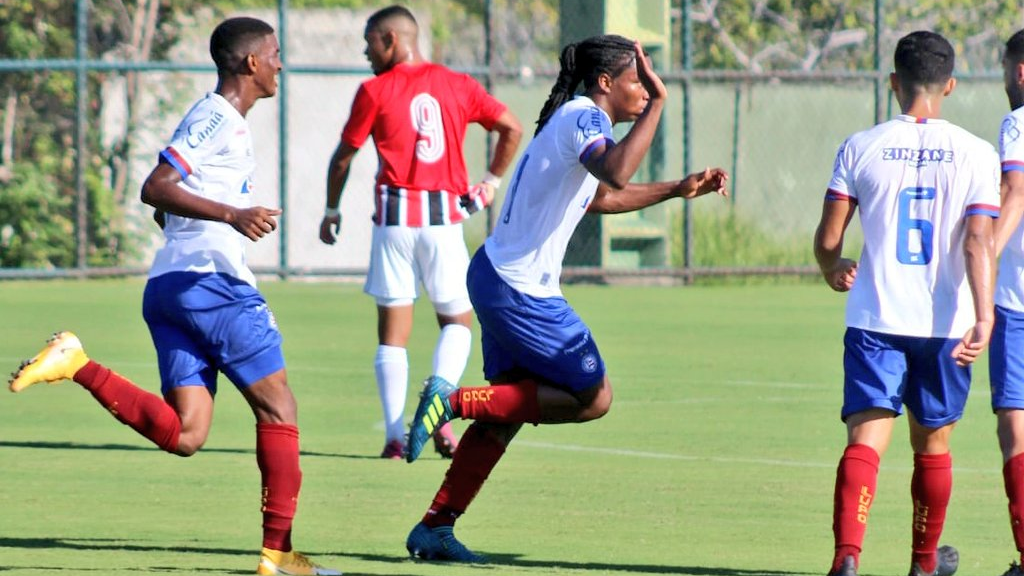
[[491, 180], [331, 212]]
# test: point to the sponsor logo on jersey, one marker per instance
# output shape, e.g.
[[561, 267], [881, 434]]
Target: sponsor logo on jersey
[[579, 345], [589, 122], [917, 156], [199, 131]]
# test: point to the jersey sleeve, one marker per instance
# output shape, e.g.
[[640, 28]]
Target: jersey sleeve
[[1011, 145], [360, 122], [840, 187], [202, 134], [585, 131], [481, 107], [983, 198]]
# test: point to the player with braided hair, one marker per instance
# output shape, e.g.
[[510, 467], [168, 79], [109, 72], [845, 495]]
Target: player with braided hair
[[540, 358]]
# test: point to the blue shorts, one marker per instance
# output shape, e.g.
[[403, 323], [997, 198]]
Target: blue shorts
[[542, 337], [1006, 360], [889, 371], [204, 323]]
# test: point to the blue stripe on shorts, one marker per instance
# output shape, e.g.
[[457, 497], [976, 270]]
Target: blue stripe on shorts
[[541, 336], [889, 371], [202, 323]]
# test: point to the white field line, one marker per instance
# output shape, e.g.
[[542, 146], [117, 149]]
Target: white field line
[[628, 453]]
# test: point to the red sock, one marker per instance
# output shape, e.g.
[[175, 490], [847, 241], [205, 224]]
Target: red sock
[[930, 488], [277, 454], [505, 403], [856, 478], [146, 413], [1013, 480], [472, 463]]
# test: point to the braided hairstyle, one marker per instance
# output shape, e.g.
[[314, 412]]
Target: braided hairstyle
[[585, 62]]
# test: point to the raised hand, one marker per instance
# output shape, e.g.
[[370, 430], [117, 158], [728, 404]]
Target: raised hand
[[650, 79]]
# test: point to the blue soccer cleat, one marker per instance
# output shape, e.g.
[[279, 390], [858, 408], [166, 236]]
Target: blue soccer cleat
[[848, 568], [432, 412], [948, 562], [439, 543]]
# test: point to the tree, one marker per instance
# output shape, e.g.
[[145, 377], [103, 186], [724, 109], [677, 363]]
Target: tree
[[837, 35]]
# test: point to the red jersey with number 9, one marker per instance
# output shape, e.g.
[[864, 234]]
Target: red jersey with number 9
[[418, 115]]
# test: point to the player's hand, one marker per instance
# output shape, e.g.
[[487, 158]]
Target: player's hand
[[973, 343], [706, 182], [256, 222], [482, 189], [330, 228], [651, 81], [841, 277]]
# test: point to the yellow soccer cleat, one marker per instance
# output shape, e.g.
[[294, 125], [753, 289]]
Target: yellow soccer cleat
[[61, 359], [278, 562]]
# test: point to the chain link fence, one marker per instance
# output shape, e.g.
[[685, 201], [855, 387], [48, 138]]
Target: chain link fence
[[82, 124]]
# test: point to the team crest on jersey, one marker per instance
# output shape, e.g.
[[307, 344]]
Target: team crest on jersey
[[199, 131], [589, 122], [1009, 132]]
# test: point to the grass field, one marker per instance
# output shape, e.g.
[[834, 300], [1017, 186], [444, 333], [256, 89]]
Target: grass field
[[717, 458]]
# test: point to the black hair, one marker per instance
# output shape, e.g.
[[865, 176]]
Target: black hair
[[385, 14], [923, 58], [1015, 47], [585, 62], [234, 39]]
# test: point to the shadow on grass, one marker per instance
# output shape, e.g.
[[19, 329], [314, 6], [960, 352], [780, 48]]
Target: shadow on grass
[[495, 561], [121, 545], [131, 448]]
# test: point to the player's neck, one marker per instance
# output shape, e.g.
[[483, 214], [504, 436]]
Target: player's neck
[[924, 106], [236, 95]]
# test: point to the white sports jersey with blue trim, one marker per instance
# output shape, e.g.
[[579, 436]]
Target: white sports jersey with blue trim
[[915, 182], [1010, 281], [212, 150], [549, 194]]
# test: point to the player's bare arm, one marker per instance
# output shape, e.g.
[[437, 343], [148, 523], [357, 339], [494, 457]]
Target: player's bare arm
[[1012, 207], [608, 200], [161, 191], [616, 165], [337, 176], [979, 254], [839, 273]]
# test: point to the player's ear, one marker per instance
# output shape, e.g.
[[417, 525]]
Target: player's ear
[[950, 84], [604, 82], [894, 82], [1019, 72], [390, 38], [251, 63]]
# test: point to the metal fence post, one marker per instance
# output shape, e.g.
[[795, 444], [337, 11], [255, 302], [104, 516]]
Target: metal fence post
[[687, 54], [282, 145], [81, 97]]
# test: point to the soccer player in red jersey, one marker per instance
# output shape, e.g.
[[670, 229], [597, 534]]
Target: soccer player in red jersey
[[201, 303], [417, 113]]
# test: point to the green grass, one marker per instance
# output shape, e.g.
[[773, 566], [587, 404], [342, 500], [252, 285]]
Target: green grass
[[717, 458]]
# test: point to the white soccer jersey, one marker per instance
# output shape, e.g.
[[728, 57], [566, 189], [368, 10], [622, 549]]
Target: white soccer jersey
[[1010, 282], [915, 182], [212, 150], [547, 198]]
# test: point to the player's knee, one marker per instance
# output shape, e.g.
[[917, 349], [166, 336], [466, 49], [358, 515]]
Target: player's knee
[[598, 406], [187, 447]]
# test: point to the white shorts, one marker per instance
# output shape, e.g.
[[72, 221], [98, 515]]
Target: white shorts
[[401, 258]]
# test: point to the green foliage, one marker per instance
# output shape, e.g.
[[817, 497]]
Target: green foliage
[[728, 238], [35, 230]]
